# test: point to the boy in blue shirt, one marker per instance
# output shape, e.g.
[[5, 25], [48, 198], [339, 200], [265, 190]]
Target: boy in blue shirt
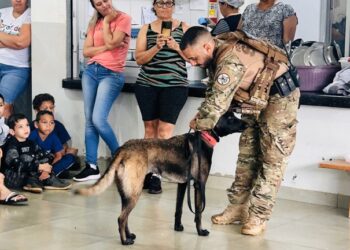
[[44, 136], [47, 102]]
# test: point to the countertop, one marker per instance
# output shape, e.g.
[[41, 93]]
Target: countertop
[[197, 89]]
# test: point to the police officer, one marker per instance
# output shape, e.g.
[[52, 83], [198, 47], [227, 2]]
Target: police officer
[[269, 138]]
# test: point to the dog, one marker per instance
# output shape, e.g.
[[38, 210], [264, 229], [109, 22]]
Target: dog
[[178, 159]]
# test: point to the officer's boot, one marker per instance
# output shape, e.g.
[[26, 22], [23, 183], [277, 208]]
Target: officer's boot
[[234, 213], [253, 226]]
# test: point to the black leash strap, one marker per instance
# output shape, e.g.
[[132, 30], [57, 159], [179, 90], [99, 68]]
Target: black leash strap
[[197, 147]]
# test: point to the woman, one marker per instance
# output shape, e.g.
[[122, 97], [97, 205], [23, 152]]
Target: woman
[[272, 20], [106, 46], [232, 18], [15, 39], [161, 88]]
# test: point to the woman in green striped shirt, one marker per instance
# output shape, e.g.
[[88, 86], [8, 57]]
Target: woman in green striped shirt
[[161, 87]]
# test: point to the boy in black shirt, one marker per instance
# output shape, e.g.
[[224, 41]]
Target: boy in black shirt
[[24, 163]]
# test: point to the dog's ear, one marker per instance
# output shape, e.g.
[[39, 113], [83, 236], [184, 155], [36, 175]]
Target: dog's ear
[[228, 124]]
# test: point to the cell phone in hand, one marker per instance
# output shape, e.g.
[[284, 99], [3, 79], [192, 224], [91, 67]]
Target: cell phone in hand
[[166, 28]]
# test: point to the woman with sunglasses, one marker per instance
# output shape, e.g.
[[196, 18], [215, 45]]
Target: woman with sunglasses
[[161, 87]]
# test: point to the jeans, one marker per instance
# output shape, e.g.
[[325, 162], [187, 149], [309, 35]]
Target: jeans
[[101, 87], [13, 81]]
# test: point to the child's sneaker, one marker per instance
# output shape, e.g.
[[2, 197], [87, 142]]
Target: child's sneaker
[[87, 174], [54, 183], [33, 185]]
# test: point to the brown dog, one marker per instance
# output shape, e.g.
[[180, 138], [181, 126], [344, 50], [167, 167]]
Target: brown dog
[[176, 159]]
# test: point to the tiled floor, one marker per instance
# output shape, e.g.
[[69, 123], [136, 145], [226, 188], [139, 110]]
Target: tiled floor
[[60, 220]]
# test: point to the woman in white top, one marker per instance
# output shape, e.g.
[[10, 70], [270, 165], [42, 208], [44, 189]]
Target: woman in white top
[[15, 39]]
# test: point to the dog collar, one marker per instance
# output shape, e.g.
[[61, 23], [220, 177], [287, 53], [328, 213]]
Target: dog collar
[[209, 138]]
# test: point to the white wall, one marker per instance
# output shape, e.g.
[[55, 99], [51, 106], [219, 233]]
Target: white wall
[[322, 132]]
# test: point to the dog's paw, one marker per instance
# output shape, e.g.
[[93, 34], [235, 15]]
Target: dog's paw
[[132, 236], [128, 241], [179, 228], [203, 232]]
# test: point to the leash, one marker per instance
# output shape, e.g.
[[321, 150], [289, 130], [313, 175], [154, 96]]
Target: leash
[[197, 150]]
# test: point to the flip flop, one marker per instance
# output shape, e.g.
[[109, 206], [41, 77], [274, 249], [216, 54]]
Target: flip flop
[[11, 199]]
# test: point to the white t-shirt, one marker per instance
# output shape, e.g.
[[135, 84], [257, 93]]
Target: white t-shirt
[[11, 25]]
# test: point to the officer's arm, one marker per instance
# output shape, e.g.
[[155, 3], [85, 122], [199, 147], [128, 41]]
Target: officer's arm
[[219, 97]]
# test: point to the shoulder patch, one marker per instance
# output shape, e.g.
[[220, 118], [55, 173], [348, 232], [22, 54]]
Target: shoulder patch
[[223, 79]]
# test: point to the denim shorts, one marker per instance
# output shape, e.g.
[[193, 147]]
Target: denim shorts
[[13, 81]]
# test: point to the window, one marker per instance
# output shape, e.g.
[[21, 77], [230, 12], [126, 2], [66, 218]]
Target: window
[[340, 9]]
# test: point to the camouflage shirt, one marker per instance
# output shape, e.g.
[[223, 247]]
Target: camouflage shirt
[[233, 72], [225, 74]]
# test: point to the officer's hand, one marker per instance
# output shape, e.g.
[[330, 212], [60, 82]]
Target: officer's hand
[[193, 122]]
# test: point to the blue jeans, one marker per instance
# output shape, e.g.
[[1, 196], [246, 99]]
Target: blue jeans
[[101, 87], [13, 81]]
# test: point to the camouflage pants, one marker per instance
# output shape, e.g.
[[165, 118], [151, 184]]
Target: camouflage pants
[[264, 149]]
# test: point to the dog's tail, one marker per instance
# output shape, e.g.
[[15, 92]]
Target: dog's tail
[[105, 181]]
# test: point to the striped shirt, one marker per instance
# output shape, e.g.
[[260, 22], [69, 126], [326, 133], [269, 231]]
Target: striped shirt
[[167, 68]]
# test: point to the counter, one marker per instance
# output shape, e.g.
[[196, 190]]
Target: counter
[[197, 89]]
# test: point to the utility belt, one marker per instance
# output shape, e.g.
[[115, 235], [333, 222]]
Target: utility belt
[[286, 83], [283, 85]]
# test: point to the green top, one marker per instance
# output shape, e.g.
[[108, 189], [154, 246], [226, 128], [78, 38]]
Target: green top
[[167, 68]]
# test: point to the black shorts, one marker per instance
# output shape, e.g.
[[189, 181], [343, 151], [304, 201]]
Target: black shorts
[[163, 103]]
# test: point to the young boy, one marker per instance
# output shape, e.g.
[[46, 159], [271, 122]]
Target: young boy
[[47, 102], [7, 197], [44, 136], [25, 163]]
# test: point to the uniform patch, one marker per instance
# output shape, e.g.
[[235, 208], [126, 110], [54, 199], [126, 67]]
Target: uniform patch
[[223, 79]]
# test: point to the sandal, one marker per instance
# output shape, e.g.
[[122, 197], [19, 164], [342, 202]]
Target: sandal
[[14, 198]]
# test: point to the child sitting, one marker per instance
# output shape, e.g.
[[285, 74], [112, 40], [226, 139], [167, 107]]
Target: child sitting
[[47, 102], [7, 197], [44, 136], [25, 163]]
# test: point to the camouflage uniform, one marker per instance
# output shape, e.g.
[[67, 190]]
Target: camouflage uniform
[[267, 142]]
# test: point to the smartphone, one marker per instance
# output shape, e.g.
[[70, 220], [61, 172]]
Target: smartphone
[[166, 28]]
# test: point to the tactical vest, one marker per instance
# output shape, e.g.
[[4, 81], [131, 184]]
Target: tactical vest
[[255, 99]]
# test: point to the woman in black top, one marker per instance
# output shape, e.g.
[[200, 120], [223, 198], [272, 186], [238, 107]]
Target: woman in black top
[[232, 18]]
